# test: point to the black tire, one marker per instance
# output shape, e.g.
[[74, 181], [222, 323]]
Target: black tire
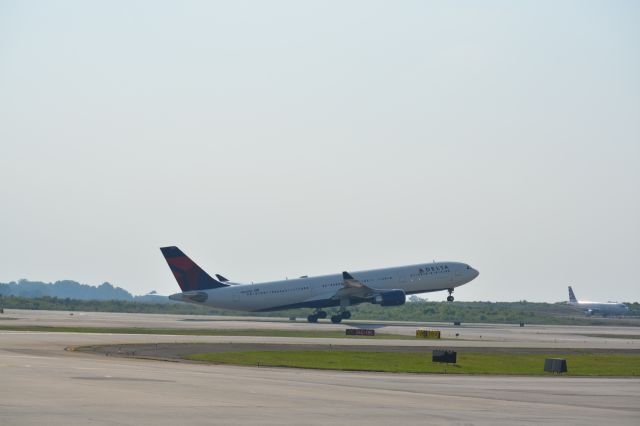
[[312, 318], [321, 314], [450, 299], [346, 315], [336, 319]]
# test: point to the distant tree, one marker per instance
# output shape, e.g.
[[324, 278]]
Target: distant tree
[[64, 289]]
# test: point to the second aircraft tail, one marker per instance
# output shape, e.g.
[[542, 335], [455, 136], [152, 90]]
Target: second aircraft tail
[[572, 296]]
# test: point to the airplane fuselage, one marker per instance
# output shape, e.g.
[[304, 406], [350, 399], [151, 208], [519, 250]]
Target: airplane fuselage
[[323, 291]]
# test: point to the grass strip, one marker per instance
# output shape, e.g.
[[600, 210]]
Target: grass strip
[[203, 332], [411, 362]]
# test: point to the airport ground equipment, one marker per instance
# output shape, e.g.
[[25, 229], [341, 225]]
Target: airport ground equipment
[[360, 332], [428, 334], [555, 365], [444, 355], [457, 323]]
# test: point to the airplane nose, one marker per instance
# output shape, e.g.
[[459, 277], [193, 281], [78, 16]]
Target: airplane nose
[[475, 273]]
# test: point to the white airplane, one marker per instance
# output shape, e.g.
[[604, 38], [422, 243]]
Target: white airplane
[[386, 287], [602, 308]]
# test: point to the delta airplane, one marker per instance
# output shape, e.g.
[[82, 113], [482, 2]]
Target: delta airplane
[[601, 308], [386, 287]]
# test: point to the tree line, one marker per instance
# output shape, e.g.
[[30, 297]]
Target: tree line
[[417, 311]]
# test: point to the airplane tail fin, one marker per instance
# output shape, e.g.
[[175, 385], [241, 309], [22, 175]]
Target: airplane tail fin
[[188, 274], [572, 296]]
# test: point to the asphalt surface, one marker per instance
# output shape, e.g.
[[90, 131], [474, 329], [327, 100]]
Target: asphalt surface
[[42, 383]]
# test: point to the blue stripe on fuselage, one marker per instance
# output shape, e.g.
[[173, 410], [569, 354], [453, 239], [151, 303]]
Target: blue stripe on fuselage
[[330, 303]]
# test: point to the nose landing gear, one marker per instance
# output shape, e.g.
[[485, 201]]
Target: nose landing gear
[[450, 297]]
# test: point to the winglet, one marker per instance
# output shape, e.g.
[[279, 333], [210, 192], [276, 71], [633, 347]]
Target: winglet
[[346, 276], [221, 278], [351, 282]]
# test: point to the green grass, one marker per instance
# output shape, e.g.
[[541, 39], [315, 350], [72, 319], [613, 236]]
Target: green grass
[[202, 332], [420, 311], [412, 362]]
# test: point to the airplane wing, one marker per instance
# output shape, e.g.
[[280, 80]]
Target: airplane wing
[[353, 288]]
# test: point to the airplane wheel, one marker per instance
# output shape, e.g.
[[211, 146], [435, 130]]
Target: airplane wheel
[[450, 299], [312, 318], [346, 315], [336, 319], [321, 314]]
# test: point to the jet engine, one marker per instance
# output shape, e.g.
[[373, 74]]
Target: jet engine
[[390, 298]]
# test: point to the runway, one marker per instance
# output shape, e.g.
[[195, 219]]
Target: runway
[[44, 383], [466, 335]]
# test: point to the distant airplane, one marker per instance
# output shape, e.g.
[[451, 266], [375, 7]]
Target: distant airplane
[[602, 308], [386, 287]]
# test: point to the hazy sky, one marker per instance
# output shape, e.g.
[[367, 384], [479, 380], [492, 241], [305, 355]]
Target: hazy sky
[[273, 139]]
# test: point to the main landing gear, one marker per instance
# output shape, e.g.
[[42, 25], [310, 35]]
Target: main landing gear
[[450, 297], [343, 312], [317, 314], [336, 319]]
